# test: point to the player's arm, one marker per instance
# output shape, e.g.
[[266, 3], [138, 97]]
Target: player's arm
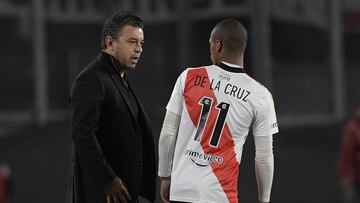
[[170, 127], [264, 126], [166, 151], [264, 166], [167, 143]]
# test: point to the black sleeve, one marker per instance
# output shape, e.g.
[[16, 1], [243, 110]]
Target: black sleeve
[[86, 98]]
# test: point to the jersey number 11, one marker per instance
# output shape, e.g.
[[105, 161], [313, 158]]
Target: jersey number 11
[[206, 104]]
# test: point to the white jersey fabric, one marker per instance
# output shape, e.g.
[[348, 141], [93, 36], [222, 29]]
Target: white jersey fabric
[[217, 105]]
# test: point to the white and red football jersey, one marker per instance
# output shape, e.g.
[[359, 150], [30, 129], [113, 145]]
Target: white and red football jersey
[[217, 104]]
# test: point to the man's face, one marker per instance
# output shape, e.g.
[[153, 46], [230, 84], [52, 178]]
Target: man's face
[[128, 47]]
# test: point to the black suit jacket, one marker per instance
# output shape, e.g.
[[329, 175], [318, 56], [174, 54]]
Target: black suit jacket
[[109, 140]]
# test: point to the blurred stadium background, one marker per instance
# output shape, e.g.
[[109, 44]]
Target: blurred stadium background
[[304, 51]]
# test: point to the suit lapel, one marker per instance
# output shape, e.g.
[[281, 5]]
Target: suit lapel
[[141, 108], [115, 76], [117, 80]]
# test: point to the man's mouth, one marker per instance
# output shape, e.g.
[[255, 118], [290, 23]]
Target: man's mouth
[[135, 58]]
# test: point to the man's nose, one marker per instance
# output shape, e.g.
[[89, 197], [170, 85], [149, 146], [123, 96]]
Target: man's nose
[[138, 48]]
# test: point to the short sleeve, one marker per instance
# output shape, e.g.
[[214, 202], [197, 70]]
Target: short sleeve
[[175, 103], [265, 122]]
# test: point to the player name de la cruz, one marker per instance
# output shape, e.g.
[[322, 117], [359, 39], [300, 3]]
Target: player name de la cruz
[[230, 89]]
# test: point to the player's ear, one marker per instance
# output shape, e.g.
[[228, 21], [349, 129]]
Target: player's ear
[[219, 45]]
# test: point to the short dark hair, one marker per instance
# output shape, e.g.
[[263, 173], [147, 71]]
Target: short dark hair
[[114, 24], [232, 34]]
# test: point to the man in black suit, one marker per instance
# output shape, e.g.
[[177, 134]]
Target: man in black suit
[[114, 158]]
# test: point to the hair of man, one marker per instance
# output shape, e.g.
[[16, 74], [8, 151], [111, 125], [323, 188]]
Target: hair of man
[[114, 24], [232, 34]]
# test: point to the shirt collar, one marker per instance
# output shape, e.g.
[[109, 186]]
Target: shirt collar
[[231, 64]]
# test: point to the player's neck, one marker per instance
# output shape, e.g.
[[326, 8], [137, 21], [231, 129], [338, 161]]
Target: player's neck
[[235, 61]]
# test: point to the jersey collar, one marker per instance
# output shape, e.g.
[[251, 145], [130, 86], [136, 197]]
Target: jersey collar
[[231, 67]]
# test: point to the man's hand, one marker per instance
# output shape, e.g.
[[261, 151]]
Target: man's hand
[[165, 189], [116, 192]]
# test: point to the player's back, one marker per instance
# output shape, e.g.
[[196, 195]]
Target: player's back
[[220, 105]]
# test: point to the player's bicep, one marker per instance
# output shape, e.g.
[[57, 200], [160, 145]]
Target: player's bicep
[[175, 103], [265, 122]]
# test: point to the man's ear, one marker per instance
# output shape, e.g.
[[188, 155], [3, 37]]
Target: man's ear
[[218, 45], [109, 41]]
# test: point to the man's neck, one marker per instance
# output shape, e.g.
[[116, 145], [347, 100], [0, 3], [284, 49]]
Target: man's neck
[[234, 60], [117, 66], [115, 63], [231, 64]]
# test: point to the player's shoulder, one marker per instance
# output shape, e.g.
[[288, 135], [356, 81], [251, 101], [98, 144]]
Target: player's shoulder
[[259, 91], [193, 70], [256, 85], [198, 68]]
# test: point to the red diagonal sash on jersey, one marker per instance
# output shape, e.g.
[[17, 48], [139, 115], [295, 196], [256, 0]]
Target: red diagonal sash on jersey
[[227, 171]]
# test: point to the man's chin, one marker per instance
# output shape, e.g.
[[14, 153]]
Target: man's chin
[[132, 66]]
